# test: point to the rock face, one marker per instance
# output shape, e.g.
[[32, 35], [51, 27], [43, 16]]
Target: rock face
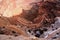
[[40, 22], [14, 7]]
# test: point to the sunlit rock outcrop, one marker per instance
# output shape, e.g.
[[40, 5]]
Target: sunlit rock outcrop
[[14, 7]]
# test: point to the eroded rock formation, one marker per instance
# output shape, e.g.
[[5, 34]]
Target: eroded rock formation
[[42, 14]]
